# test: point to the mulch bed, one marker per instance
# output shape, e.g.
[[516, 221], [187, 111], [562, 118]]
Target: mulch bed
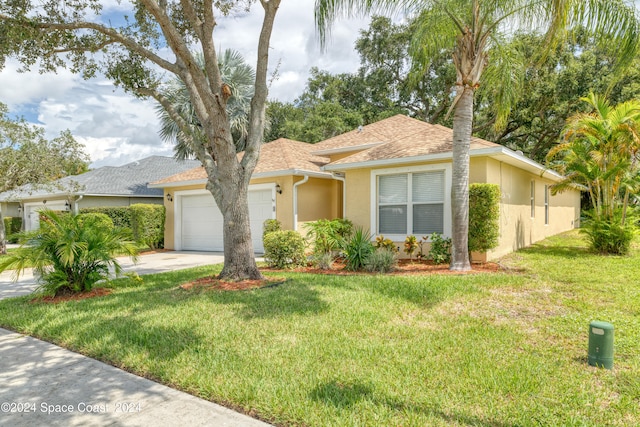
[[95, 292], [405, 268]]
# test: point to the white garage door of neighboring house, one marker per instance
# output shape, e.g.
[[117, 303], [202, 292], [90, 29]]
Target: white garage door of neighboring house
[[33, 213], [201, 221]]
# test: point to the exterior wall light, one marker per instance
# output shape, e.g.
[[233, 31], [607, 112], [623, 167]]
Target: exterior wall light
[[278, 189], [169, 197]]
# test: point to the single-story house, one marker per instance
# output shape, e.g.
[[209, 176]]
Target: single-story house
[[106, 186], [392, 177]]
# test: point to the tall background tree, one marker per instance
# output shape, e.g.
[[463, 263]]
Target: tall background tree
[[129, 50], [28, 157], [469, 29]]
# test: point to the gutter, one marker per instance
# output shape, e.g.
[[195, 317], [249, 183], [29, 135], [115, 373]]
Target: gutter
[[340, 177], [76, 207], [295, 201]]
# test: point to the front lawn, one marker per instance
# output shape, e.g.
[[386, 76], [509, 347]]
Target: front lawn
[[496, 349]]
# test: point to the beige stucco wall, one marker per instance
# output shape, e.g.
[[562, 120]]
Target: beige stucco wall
[[9, 209], [517, 228]]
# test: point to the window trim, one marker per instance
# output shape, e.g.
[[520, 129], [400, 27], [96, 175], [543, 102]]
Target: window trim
[[547, 203], [532, 198], [446, 167]]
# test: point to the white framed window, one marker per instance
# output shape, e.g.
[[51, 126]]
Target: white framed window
[[411, 201], [533, 199], [546, 205]]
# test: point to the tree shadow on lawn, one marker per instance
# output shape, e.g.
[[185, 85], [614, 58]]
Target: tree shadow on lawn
[[569, 252], [293, 297], [346, 395]]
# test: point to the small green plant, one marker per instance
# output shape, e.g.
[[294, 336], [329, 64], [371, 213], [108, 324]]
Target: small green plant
[[410, 245], [70, 254], [328, 235], [323, 261], [284, 249], [384, 243], [381, 260], [270, 225], [357, 249], [440, 251]]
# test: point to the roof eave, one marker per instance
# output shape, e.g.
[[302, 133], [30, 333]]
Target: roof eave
[[500, 153], [271, 174]]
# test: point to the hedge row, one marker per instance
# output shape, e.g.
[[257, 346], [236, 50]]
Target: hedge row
[[146, 221], [147, 224], [12, 225], [120, 215]]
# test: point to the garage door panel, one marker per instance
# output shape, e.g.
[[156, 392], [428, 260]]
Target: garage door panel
[[202, 222]]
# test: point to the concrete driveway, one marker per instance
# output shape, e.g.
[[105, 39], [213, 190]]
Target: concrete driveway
[[147, 264]]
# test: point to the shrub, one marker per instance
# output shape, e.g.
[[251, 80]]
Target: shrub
[[440, 251], [96, 220], [12, 226], [147, 224], [67, 254], [484, 217], [120, 215], [608, 237], [381, 260], [357, 249], [410, 245], [269, 226], [284, 249], [328, 235], [323, 261]]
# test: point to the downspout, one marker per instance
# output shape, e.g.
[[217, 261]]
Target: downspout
[[295, 201], [76, 208], [340, 177]]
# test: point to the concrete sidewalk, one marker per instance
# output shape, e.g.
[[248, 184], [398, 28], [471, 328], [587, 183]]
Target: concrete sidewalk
[[43, 384]]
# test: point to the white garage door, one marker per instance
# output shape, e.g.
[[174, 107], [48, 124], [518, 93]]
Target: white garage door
[[201, 221]]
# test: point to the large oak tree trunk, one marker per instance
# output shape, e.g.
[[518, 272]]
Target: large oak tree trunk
[[239, 257], [462, 126]]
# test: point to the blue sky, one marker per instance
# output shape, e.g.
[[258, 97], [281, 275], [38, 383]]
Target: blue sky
[[117, 128]]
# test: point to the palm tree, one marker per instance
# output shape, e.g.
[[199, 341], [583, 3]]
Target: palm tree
[[469, 29], [238, 76], [599, 154], [70, 253]]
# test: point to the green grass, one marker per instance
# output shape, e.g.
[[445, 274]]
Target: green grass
[[483, 350]]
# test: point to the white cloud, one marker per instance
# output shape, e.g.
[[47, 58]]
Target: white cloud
[[117, 128]]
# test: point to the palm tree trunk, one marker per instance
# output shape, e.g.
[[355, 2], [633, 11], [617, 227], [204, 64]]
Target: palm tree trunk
[[462, 126]]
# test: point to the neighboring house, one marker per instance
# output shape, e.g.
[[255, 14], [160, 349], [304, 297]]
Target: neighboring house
[[392, 177], [105, 186]]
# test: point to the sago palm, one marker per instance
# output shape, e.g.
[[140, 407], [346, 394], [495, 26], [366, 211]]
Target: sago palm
[[69, 253], [469, 29]]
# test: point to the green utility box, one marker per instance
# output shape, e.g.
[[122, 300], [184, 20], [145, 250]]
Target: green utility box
[[601, 344]]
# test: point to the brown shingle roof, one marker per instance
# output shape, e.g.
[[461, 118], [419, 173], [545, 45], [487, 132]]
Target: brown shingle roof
[[279, 155], [424, 139], [387, 130]]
